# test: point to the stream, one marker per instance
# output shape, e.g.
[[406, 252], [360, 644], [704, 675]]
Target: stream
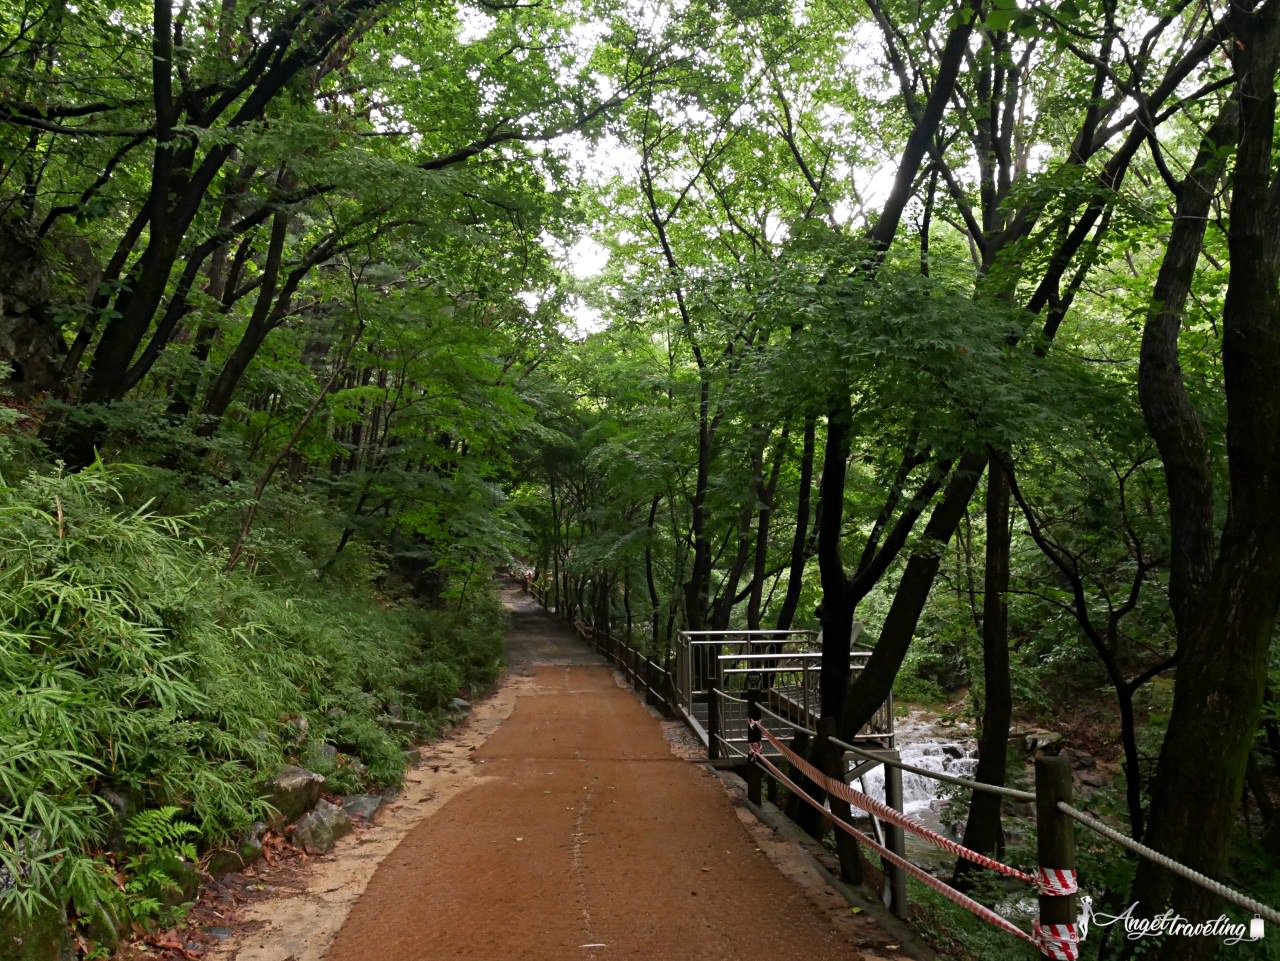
[[925, 742]]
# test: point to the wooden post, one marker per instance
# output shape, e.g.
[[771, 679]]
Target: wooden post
[[1055, 835], [754, 775], [895, 839]]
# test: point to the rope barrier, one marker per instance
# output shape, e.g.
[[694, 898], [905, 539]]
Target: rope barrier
[[886, 813], [924, 877], [1206, 882], [1011, 793]]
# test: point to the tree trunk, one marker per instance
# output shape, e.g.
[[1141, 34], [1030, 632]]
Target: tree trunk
[[800, 546], [1224, 629], [983, 830]]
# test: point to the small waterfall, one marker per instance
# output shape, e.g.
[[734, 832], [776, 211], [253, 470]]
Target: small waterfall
[[922, 743]]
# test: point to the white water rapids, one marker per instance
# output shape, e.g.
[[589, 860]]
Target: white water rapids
[[924, 743]]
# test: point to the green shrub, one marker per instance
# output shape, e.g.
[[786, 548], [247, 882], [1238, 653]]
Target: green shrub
[[130, 660]]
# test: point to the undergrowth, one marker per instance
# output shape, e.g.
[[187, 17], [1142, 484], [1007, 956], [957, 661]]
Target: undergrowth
[[133, 666]]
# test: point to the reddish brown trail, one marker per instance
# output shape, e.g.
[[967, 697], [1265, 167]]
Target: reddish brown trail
[[587, 838]]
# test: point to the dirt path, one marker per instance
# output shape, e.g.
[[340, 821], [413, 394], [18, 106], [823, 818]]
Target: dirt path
[[565, 830]]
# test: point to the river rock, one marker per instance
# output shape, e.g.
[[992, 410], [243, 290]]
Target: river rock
[[317, 830], [292, 792], [363, 806]]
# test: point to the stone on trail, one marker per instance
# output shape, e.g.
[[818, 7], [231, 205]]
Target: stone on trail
[[317, 831], [363, 806]]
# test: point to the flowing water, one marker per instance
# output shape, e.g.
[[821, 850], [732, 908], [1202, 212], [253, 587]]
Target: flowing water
[[948, 749], [925, 743]]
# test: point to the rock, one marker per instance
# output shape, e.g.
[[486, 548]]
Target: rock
[[1080, 760], [240, 854], [1093, 777], [320, 756], [292, 792], [459, 704], [953, 751], [219, 932], [317, 830], [43, 937], [363, 806]]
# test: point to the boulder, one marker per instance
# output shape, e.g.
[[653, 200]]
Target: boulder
[[363, 806], [292, 792], [317, 830]]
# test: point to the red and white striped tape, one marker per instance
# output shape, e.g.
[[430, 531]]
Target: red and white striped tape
[[924, 877], [1057, 941], [1057, 882], [885, 813]]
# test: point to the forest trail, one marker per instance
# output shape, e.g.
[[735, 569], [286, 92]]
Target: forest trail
[[580, 834]]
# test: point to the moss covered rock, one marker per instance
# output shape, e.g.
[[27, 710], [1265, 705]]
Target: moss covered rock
[[43, 937]]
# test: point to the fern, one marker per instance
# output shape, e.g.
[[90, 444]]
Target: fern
[[163, 845], [159, 836]]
